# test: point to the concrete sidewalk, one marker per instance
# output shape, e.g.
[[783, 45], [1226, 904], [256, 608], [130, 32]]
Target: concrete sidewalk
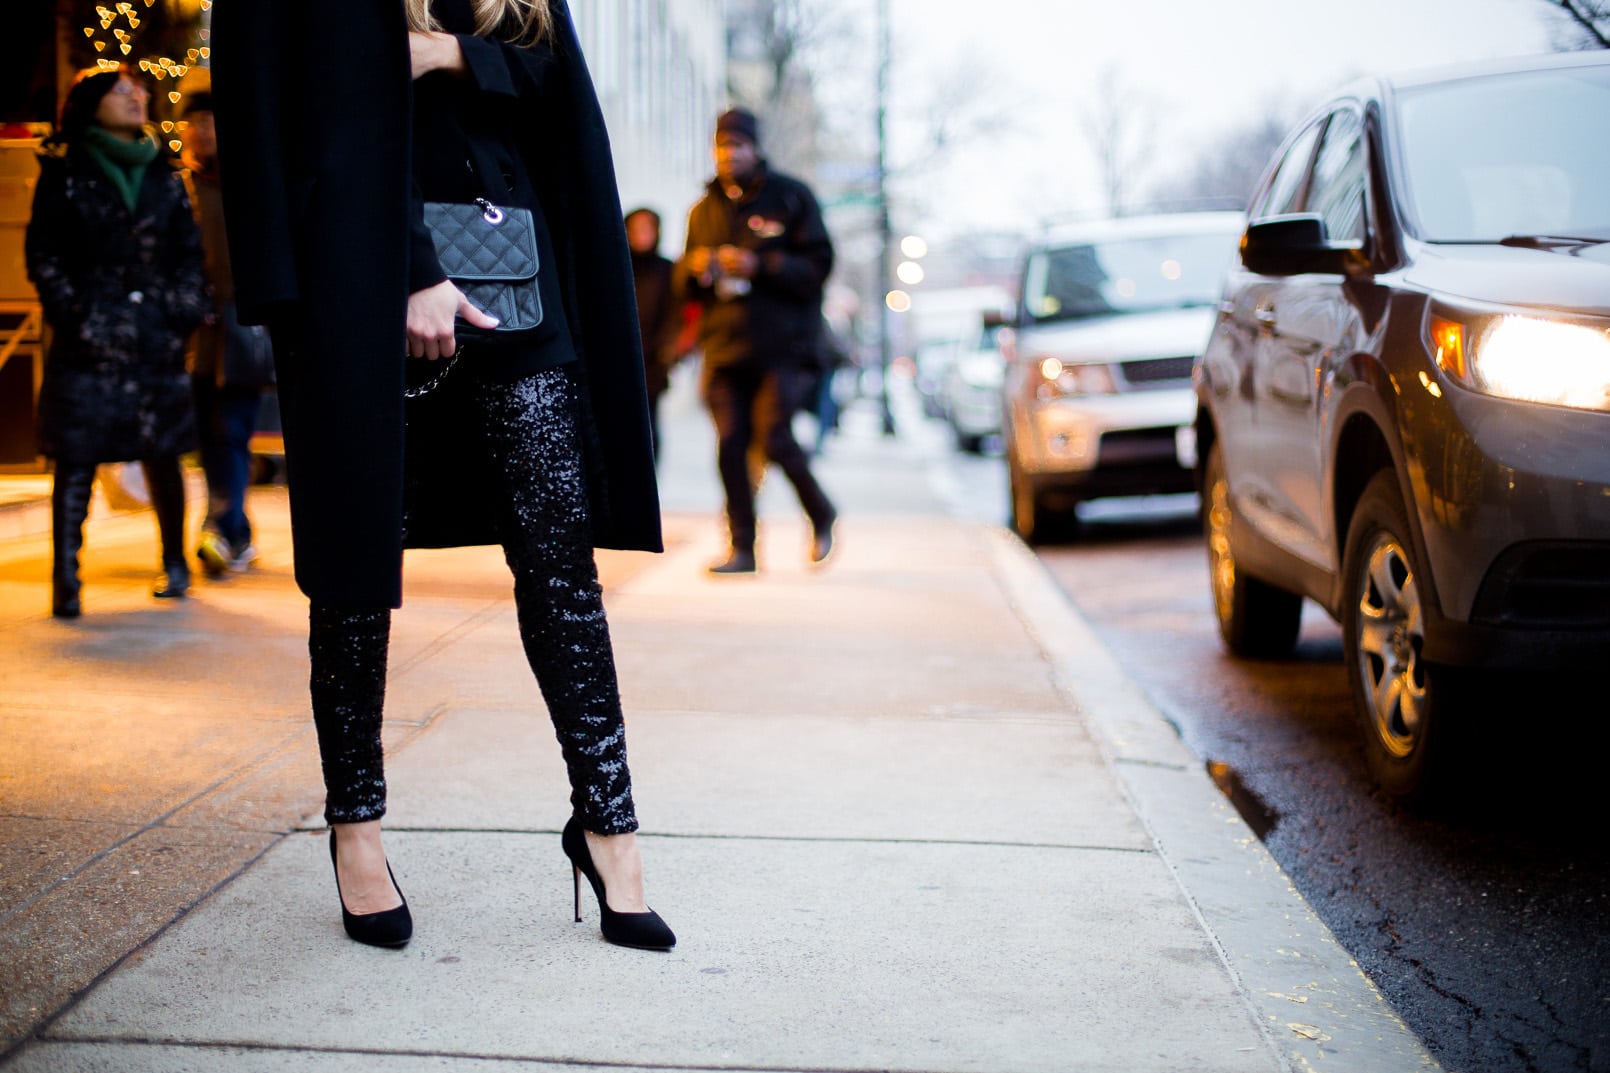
[[904, 813]]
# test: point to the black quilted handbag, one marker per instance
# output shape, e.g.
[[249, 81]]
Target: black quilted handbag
[[489, 253]]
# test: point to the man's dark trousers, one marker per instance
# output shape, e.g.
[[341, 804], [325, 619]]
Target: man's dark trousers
[[752, 404]]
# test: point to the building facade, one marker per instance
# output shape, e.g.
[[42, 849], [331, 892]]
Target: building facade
[[661, 71]]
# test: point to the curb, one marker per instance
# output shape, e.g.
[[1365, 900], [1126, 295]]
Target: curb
[[1312, 1001]]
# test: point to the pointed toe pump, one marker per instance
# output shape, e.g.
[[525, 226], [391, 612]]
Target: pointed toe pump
[[643, 931], [389, 927]]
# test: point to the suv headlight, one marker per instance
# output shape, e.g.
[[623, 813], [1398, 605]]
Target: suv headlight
[[1526, 358], [1059, 379]]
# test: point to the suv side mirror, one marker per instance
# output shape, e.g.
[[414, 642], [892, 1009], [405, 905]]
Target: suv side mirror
[[994, 318], [1293, 245]]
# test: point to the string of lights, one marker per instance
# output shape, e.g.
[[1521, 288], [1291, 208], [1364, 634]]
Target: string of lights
[[114, 33]]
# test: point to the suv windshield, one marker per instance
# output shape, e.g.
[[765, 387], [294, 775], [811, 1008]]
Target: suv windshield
[[1126, 276], [1523, 154]]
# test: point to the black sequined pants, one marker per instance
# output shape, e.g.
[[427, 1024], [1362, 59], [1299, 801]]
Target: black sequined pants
[[533, 444]]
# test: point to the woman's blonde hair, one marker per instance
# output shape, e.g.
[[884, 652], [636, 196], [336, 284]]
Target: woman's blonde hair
[[520, 21]]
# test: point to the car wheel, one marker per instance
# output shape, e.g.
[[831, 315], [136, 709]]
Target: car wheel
[[1256, 619], [1402, 701], [1026, 512]]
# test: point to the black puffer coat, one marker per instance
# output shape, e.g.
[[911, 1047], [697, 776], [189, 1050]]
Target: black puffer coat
[[121, 292], [778, 324]]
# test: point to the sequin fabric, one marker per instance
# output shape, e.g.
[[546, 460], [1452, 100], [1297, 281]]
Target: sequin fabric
[[532, 439], [533, 444], [347, 652]]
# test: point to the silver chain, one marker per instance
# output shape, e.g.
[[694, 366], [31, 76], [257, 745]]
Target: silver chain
[[436, 381]]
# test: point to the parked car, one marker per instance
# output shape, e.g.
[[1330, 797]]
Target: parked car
[[933, 356], [1097, 393], [1405, 404], [970, 387]]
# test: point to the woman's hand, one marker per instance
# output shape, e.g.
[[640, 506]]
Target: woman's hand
[[430, 320], [435, 52]]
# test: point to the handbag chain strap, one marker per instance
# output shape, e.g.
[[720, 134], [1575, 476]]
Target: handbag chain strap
[[436, 381]]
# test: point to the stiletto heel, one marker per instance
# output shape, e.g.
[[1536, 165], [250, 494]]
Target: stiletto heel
[[389, 927], [644, 931]]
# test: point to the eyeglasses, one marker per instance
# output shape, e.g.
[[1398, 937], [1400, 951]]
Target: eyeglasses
[[128, 89]]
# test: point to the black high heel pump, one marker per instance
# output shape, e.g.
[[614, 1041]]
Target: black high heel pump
[[389, 927], [644, 931]]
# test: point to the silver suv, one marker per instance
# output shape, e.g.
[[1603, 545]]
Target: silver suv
[[1097, 394]]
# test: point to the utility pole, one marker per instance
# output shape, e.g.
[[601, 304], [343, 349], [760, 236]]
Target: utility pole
[[885, 234]]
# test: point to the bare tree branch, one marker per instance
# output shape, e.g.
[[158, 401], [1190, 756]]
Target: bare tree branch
[[1591, 18], [1120, 126]]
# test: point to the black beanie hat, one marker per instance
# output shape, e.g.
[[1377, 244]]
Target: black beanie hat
[[739, 121], [84, 99]]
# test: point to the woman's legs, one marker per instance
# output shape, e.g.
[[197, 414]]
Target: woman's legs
[[69, 506], [165, 480], [347, 652], [535, 449]]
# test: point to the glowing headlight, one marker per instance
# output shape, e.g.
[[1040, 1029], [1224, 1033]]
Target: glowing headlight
[[1528, 359], [1061, 378]]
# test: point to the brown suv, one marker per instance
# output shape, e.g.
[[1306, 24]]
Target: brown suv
[[1404, 407]]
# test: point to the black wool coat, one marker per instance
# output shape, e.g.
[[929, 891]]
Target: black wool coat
[[659, 317], [121, 291], [313, 108]]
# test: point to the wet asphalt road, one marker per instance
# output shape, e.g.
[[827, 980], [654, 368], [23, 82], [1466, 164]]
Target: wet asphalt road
[[1487, 925]]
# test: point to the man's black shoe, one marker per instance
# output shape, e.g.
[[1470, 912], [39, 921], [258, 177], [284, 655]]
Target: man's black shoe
[[739, 562], [821, 542]]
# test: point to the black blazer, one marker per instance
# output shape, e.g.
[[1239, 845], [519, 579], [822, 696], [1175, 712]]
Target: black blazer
[[314, 147]]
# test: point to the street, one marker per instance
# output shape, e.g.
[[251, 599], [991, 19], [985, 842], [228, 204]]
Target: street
[[1485, 927]]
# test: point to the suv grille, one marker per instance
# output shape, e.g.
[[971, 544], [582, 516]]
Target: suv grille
[[1157, 370]]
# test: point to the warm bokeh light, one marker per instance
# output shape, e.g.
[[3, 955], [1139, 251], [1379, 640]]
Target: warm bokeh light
[[898, 301], [914, 247], [910, 273]]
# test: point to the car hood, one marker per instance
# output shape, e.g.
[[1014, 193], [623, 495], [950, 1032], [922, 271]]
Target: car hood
[[1168, 333], [1571, 279]]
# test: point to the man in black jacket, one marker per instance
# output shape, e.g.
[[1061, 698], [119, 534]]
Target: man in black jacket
[[756, 260]]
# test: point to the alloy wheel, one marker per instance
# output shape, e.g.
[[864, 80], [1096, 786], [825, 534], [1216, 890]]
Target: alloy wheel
[[1221, 562], [1391, 636]]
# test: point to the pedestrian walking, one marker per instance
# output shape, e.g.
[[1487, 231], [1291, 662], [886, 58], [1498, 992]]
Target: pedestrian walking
[[231, 364], [757, 257], [824, 405], [659, 314], [114, 253], [539, 441]]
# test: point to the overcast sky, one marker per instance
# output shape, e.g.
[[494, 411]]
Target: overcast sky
[[1195, 64]]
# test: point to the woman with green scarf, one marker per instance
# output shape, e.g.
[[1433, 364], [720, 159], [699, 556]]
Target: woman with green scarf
[[115, 254]]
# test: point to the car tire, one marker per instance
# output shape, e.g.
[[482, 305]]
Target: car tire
[[1026, 511], [1402, 701], [1257, 620], [967, 442]]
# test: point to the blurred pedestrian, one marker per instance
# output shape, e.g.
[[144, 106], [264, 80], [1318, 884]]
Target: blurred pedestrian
[[659, 314], [757, 257], [824, 406], [114, 253], [538, 441], [232, 364]]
